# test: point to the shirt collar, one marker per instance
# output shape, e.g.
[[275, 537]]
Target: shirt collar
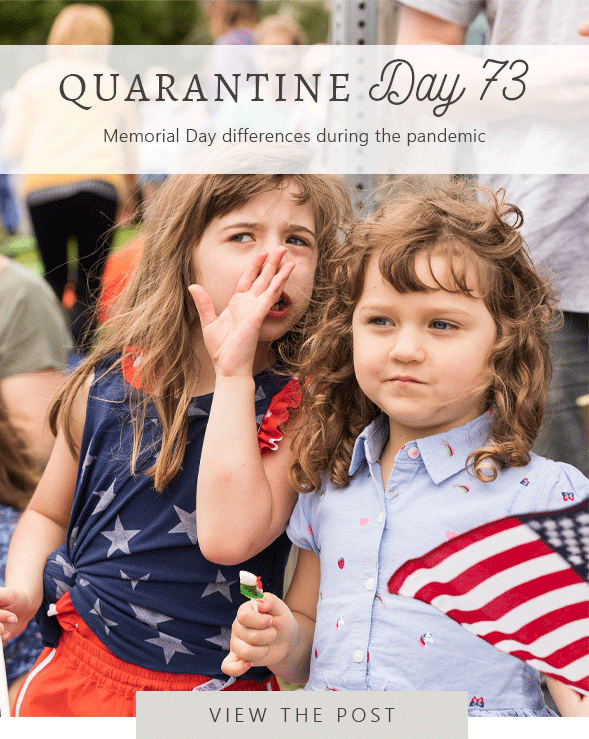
[[443, 455], [370, 443]]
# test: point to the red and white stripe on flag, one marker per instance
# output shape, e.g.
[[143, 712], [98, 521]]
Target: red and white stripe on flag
[[506, 582]]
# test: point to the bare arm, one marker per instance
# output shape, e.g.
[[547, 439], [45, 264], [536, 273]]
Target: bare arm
[[27, 398], [41, 529], [280, 635], [552, 82], [302, 598], [244, 500], [417, 27], [568, 701]]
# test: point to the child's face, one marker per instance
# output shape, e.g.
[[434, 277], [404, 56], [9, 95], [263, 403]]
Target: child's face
[[422, 357], [229, 244]]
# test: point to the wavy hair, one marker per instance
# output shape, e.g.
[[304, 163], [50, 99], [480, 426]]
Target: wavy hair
[[479, 234], [156, 316]]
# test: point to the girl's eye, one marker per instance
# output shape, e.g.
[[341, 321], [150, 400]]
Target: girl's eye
[[242, 238], [297, 241], [442, 325], [380, 321]]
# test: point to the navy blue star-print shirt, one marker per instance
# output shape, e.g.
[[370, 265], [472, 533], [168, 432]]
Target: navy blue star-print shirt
[[131, 562]]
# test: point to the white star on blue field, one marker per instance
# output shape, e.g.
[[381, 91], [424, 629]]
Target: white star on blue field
[[119, 538], [106, 497], [187, 524], [106, 621], [221, 586], [170, 645], [151, 618]]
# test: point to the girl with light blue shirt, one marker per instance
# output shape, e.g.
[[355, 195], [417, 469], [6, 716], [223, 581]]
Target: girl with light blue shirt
[[427, 379]]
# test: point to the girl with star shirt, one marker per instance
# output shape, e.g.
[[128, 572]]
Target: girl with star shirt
[[173, 418]]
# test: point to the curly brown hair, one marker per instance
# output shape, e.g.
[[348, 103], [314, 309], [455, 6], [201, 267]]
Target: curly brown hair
[[156, 315], [478, 232]]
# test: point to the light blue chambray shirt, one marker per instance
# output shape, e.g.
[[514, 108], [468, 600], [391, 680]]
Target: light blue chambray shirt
[[368, 639]]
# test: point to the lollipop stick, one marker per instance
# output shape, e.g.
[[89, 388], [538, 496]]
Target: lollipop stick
[[4, 702]]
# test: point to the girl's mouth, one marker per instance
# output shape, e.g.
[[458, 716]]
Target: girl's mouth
[[405, 380], [280, 307]]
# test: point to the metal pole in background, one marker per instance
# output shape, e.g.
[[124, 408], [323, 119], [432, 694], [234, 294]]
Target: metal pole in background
[[354, 22], [360, 22]]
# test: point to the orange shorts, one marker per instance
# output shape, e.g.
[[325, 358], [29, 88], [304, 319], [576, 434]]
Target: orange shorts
[[81, 677]]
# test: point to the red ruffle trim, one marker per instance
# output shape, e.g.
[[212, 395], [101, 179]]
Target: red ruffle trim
[[269, 433], [131, 366]]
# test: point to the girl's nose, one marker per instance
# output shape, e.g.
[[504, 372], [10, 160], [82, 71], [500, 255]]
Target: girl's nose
[[274, 245], [407, 347]]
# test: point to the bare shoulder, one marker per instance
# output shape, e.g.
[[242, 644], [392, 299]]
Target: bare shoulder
[[77, 416], [55, 492]]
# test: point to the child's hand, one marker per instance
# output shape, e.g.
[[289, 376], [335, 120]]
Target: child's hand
[[15, 613], [231, 337], [260, 638], [568, 701]]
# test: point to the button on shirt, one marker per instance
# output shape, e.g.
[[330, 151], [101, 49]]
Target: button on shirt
[[369, 639]]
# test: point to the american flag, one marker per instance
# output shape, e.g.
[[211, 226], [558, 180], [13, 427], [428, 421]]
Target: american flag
[[520, 583]]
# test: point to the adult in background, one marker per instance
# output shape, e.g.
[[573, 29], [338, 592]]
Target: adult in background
[[48, 137], [555, 207], [34, 344], [232, 22]]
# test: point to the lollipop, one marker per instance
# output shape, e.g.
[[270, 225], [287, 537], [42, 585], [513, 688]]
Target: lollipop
[[251, 587]]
